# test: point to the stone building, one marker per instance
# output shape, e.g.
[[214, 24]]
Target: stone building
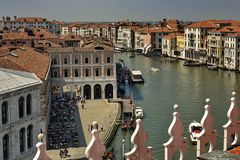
[[20, 108], [33, 61], [88, 71]]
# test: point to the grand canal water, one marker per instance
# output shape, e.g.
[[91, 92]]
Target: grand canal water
[[176, 84]]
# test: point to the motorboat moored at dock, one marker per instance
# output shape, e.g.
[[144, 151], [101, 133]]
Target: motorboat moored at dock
[[191, 63], [139, 112], [195, 129]]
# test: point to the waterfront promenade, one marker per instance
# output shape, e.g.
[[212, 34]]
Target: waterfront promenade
[[94, 110]]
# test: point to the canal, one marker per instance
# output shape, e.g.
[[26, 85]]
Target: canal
[[176, 84]]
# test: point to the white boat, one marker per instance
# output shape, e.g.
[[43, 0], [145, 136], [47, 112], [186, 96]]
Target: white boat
[[120, 49], [154, 69], [195, 129], [212, 67], [136, 77], [139, 112]]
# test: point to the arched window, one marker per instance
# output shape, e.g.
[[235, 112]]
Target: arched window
[[86, 72], [21, 107], [5, 147], [29, 104], [22, 139], [4, 112], [30, 136], [76, 72]]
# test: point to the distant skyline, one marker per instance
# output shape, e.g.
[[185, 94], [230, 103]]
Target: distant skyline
[[117, 10]]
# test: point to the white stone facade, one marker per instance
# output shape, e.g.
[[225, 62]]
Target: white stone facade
[[232, 52], [19, 119], [125, 38], [91, 74], [195, 43]]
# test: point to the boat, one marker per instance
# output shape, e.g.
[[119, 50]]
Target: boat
[[191, 63], [139, 112], [136, 77], [119, 49], [195, 129], [212, 67], [154, 69]]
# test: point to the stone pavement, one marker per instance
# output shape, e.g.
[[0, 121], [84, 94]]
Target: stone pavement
[[94, 110]]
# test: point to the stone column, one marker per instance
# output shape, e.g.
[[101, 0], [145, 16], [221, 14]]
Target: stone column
[[25, 145], [91, 66], [92, 91], [114, 90], [102, 91]]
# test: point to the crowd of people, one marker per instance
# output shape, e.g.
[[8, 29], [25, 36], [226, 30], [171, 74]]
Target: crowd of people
[[62, 131]]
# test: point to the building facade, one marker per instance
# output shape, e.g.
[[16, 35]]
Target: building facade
[[232, 51], [19, 116], [87, 72]]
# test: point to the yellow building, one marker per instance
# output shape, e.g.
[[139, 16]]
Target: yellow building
[[215, 47], [181, 45]]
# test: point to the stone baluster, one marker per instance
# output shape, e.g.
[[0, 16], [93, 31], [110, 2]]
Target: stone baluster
[[232, 127], [176, 142], [139, 151], [208, 135], [41, 149], [95, 149]]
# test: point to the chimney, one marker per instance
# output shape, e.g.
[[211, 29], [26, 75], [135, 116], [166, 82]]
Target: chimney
[[3, 18], [15, 17]]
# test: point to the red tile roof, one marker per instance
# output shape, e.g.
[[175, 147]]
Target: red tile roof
[[213, 23], [172, 35], [28, 60], [15, 36], [235, 150], [31, 19]]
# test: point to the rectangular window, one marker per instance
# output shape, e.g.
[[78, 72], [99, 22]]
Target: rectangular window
[[108, 60], [65, 61], [76, 60], [86, 60]]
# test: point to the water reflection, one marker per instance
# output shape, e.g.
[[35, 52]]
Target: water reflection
[[186, 86]]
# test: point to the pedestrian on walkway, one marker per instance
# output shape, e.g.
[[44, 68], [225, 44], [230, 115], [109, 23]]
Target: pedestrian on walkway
[[82, 105], [89, 129]]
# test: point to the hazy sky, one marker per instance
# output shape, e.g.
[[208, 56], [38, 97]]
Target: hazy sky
[[114, 10]]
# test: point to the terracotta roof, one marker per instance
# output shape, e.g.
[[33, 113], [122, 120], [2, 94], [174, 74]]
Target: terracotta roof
[[43, 33], [15, 36], [27, 59], [235, 151], [71, 37], [233, 35], [154, 30], [45, 43], [202, 24], [31, 19], [213, 23], [227, 29], [172, 35]]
